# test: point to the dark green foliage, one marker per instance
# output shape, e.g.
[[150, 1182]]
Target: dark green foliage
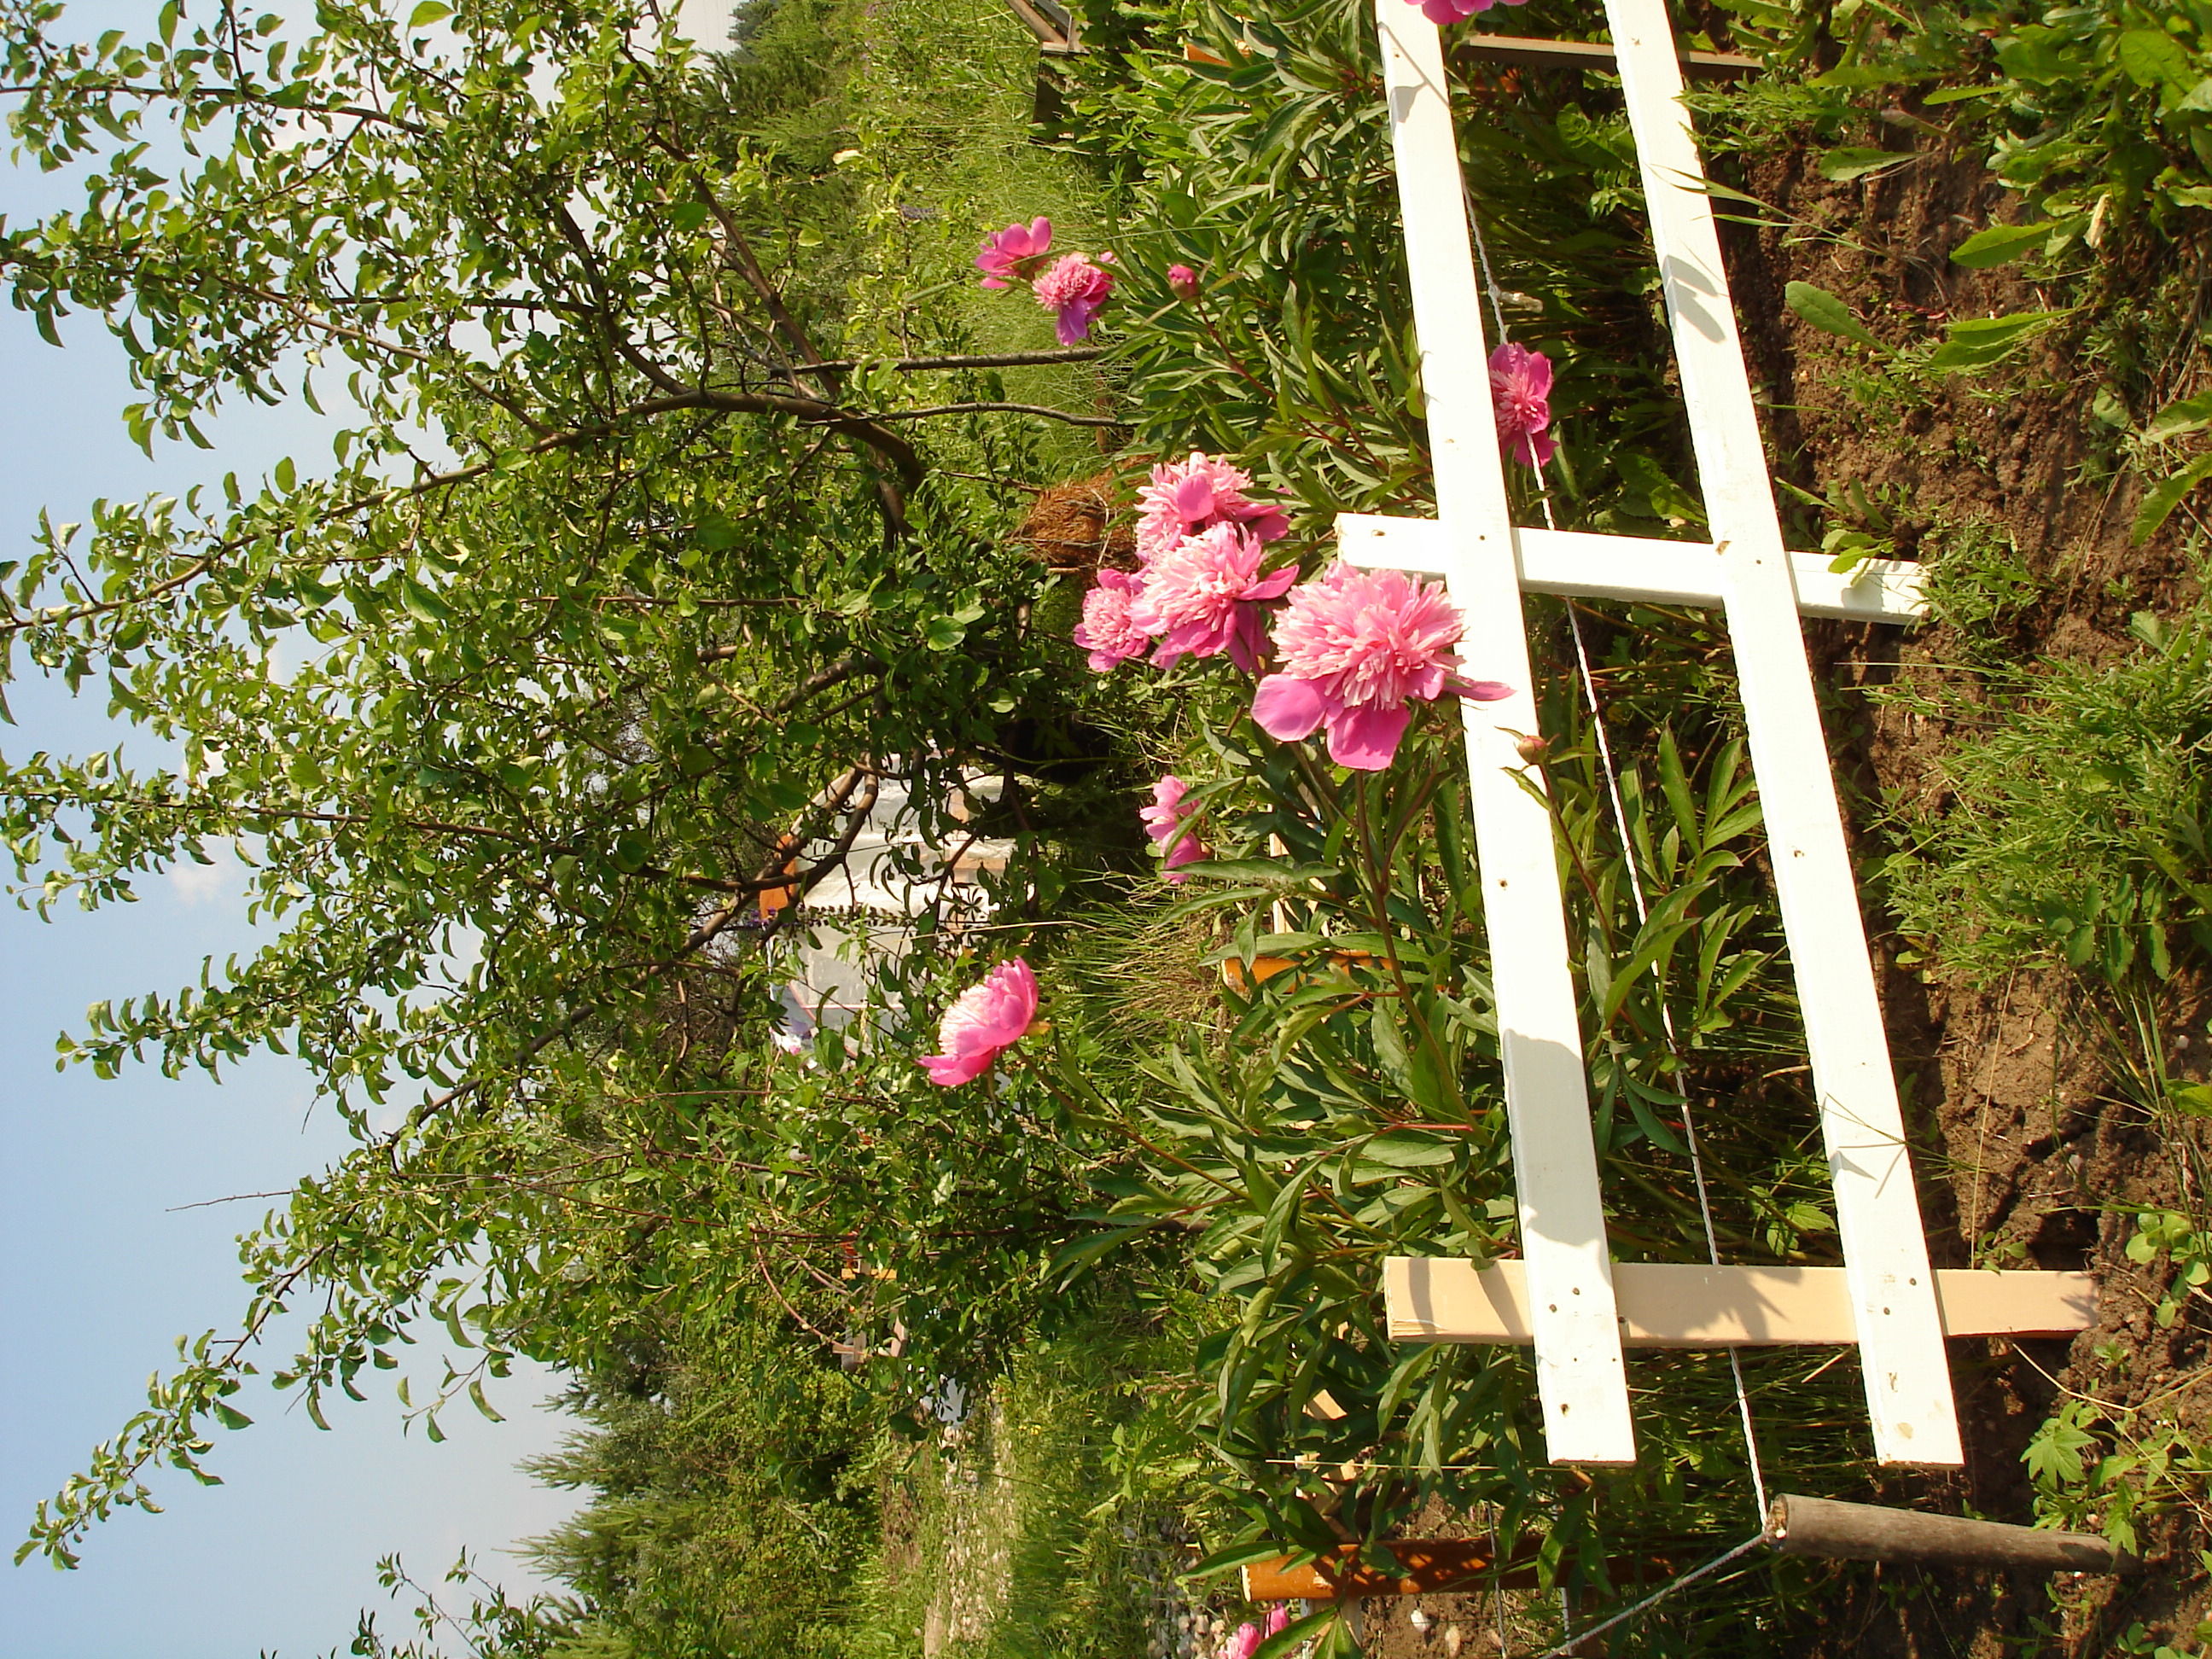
[[2076, 825], [733, 1500], [1269, 174]]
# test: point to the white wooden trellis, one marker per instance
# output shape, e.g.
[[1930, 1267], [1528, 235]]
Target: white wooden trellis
[[1885, 1298]]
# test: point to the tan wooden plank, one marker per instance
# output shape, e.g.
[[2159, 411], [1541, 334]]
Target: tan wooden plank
[[1589, 54], [1690, 1305]]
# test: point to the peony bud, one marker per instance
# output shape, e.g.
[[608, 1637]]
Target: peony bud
[[1184, 280]]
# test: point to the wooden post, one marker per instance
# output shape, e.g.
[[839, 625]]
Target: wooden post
[[1434, 1566], [1908, 1378], [1579, 1375], [1865, 1532]]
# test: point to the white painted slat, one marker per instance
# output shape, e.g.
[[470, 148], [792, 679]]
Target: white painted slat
[[1878, 1215], [1595, 567], [1579, 1375], [1669, 1305]]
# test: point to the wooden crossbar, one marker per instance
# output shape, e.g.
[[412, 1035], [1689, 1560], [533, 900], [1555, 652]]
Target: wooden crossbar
[[1571, 563], [1591, 55], [1691, 1305]]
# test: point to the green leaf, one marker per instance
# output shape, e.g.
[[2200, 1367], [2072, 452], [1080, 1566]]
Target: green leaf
[[631, 852], [229, 1417], [2041, 56], [2193, 1098], [1856, 76], [1827, 313], [2158, 506], [1981, 341], [1236, 1555], [2177, 418], [427, 13], [1848, 162], [2153, 57], [1408, 1149], [2000, 243], [422, 603]]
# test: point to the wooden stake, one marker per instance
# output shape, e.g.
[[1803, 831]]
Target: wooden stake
[[1867, 1532], [1580, 1380], [1908, 1379], [1433, 1566]]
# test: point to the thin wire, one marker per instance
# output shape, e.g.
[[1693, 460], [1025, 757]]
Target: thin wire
[[1635, 884], [1657, 1596]]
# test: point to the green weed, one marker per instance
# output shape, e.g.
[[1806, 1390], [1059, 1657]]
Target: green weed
[[2075, 826]]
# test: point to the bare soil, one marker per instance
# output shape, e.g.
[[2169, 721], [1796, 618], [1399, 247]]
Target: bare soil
[[2027, 1151]]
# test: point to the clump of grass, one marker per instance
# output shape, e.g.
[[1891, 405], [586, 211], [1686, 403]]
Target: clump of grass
[[2075, 827], [1138, 977], [1979, 584]]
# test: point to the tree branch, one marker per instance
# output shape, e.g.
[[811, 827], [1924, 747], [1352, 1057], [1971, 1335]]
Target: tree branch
[[992, 409]]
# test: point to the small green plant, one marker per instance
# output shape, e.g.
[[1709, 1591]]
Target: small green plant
[[1977, 584], [2188, 1252], [2076, 831], [2102, 1467], [1863, 522]]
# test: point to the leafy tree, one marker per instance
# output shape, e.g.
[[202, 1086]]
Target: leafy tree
[[628, 574]]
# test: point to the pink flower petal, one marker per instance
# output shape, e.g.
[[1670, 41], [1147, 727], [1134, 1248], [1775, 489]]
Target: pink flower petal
[[984, 1021], [1366, 739], [1288, 709], [1189, 850], [1193, 499], [1244, 642], [1106, 630], [1168, 810]]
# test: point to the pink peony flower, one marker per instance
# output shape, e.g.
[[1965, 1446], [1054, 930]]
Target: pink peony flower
[[1202, 597], [1440, 12], [1521, 390], [1278, 1620], [1106, 631], [1075, 289], [1242, 1644], [1355, 647], [1182, 281], [1013, 254], [1164, 821], [1185, 496], [983, 1022]]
